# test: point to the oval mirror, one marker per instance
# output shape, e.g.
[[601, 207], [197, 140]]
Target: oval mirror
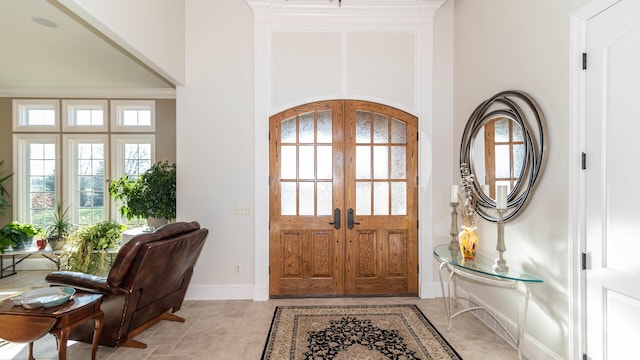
[[503, 144]]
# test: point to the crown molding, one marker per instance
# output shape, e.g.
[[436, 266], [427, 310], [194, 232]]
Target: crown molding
[[120, 93]]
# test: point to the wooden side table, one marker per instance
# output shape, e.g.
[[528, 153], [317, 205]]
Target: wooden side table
[[18, 324]]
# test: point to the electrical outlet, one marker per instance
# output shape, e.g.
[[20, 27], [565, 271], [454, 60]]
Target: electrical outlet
[[237, 268], [243, 210]]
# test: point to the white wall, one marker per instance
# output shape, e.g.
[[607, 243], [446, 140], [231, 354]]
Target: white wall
[[215, 143], [524, 44], [152, 30]]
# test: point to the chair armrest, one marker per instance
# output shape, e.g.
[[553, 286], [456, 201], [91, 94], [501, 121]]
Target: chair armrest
[[82, 281]]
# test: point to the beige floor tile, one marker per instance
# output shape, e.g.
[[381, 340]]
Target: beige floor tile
[[237, 330]]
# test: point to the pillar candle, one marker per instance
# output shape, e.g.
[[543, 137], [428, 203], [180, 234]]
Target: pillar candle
[[501, 202], [454, 194]]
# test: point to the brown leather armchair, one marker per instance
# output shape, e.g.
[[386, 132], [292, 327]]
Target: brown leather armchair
[[147, 283]]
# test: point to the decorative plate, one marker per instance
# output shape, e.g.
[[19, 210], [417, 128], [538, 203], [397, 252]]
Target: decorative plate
[[44, 297]]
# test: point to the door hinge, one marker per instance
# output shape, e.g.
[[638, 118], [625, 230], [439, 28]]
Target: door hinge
[[583, 161], [417, 136], [418, 180], [585, 357], [418, 224], [585, 261], [584, 61]]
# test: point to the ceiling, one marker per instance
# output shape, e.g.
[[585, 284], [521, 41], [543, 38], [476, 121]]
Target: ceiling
[[69, 55]]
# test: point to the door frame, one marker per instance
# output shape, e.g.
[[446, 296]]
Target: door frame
[[267, 20], [577, 180]]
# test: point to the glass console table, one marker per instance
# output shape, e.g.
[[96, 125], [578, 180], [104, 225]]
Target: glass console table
[[480, 270]]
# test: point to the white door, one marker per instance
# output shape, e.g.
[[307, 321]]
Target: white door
[[613, 182]]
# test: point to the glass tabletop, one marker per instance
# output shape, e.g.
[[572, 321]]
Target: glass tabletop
[[481, 264]]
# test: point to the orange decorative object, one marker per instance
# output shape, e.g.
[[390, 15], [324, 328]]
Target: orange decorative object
[[468, 239]]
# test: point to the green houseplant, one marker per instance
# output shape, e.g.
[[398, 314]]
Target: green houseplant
[[88, 252], [152, 195], [18, 235], [58, 230], [4, 194]]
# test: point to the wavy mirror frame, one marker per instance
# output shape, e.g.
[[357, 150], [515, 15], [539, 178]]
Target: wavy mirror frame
[[521, 108]]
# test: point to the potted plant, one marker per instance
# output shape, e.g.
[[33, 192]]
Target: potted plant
[[4, 194], [152, 195], [18, 235], [89, 247], [60, 228]]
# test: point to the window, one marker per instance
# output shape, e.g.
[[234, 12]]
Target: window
[[133, 155], [36, 163], [35, 115], [90, 155], [84, 115], [504, 153], [132, 116], [85, 178]]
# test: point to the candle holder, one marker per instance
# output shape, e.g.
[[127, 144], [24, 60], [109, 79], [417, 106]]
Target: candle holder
[[500, 264], [454, 245]]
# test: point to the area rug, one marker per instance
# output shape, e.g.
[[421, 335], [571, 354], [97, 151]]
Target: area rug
[[353, 332]]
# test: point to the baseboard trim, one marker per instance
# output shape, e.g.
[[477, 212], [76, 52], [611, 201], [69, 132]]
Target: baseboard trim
[[220, 292], [531, 348]]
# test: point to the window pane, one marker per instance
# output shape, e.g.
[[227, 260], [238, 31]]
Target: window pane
[[307, 132], [518, 159], [502, 130], [288, 198], [288, 131], [325, 163], [144, 117], [41, 117], [381, 198], [380, 162], [363, 127], [307, 162], [41, 180], [288, 162], [398, 198], [517, 132], [325, 131], [503, 168], [307, 198], [325, 198], [380, 128], [90, 191], [363, 162], [398, 132], [398, 162], [363, 198]]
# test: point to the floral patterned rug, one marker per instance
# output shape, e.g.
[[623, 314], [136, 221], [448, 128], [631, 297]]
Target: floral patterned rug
[[354, 332]]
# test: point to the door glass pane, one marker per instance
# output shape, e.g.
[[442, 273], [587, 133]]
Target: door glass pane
[[307, 164], [398, 198], [325, 196], [398, 162], [306, 135], [288, 198], [288, 131], [324, 126], [306, 198], [380, 162], [381, 198], [502, 161], [288, 161], [518, 159], [502, 130], [363, 198], [363, 127], [398, 132], [363, 162], [517, 132], [380, 128], [325, 163]]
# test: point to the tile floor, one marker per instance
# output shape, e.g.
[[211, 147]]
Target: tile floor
[[238, 329]]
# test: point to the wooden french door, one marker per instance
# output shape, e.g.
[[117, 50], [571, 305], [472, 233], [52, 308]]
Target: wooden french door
[[343, 200]]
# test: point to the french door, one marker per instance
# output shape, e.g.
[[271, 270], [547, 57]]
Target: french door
[[343, 200]]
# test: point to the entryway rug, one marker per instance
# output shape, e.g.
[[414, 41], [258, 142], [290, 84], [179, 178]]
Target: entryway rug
[[353, 332]]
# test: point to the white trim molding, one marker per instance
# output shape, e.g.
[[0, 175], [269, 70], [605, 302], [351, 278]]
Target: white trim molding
[[375, 16]]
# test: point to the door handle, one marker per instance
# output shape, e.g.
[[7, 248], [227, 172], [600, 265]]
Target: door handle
[[336, 219], [350, 221]]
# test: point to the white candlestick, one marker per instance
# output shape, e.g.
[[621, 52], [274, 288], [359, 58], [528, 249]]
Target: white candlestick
[[454, 194], [501, 198]]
